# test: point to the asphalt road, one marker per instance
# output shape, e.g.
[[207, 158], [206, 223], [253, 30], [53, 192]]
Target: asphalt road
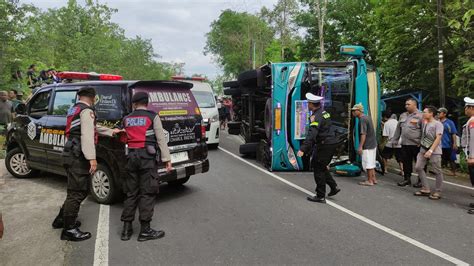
[[238, 214]]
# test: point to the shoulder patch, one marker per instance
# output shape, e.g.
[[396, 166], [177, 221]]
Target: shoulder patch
[[471, 124], [72, 111], [326, 115], [312, 118]]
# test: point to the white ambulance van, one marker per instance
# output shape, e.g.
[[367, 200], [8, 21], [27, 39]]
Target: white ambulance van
[[206, 101]]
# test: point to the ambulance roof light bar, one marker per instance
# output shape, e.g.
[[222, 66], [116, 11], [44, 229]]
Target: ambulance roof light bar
[[188, 78], [88, 76]]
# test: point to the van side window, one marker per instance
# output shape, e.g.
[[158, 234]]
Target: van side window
[[108, 103], [39, 105], [63, 100]]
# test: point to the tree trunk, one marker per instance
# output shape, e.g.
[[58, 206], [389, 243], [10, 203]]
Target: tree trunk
[[321, 14]]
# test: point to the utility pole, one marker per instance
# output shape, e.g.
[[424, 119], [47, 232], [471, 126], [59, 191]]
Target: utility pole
[[442, 91]]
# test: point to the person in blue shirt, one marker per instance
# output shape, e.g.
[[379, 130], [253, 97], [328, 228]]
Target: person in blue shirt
[[448, 141]]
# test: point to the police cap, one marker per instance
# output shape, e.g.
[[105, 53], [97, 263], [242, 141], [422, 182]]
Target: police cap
[[87, 91], [469, 101], [140, 97], [313, 98]]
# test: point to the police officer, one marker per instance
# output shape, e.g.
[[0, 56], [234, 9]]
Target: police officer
[[146, 146], [409, 130], [79, 160], [322, 141], [467, 141]]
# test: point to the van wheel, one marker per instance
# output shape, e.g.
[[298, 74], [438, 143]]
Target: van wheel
[[102, 185], [16, 164], [178, 182]]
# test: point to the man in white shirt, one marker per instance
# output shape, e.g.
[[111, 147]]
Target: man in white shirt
[[390, 149]]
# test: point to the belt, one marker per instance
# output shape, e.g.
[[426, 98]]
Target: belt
[[136, 149]]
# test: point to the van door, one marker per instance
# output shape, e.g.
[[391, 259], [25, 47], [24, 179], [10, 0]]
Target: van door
[[180, 116], [53, 134], [32, 128]]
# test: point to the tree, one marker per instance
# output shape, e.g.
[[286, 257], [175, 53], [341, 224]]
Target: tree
[[234, 37], [460, 36], [281, 19], [74, 38]]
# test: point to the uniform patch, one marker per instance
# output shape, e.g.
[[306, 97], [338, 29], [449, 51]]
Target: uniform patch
[[135, 121], [31, 130], [72, 111], [326, 115]]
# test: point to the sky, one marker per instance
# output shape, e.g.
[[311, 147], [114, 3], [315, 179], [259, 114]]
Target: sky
[[177, 28]]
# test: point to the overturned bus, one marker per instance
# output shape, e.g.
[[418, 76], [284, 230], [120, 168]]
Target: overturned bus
[[271, 112]]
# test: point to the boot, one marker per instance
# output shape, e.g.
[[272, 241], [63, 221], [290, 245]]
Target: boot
[[59, 220], [147, 233], [71, 232], [316, 199], [404, 183], [127, 231], [334, 191]]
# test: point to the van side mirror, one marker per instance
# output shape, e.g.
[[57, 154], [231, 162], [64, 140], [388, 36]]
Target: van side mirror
[[20, 109]]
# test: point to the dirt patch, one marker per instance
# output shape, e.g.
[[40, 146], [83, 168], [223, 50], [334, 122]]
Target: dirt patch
[[28, 207]]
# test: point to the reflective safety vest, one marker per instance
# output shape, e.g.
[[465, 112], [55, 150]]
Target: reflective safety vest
[[73, 122], [139, 128]]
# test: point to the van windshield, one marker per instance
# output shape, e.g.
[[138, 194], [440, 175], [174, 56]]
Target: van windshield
[[204, 99]]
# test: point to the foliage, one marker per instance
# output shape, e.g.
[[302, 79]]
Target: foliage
[[74, 38], [232, 38]]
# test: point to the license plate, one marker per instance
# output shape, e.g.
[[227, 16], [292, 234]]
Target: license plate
[[179, 157]]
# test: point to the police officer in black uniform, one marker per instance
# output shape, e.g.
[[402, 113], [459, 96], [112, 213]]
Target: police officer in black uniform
[[147, 148], [79, 160], [321, 140]]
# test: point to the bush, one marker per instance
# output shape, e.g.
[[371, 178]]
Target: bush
[[463, 163]]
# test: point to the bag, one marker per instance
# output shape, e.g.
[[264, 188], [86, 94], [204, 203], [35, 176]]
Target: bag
[[154, 151], [67, 154], [426, 142]]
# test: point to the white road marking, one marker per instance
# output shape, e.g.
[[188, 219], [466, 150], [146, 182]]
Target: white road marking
[[101, 252], [358, 216], [447, 182]]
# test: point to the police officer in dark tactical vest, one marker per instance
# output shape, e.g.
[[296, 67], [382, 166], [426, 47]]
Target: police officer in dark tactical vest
[[147, 148], [322, 142], [79, 160]]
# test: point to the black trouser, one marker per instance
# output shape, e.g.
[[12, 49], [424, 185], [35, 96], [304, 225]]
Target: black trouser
[[322, 157], [409, 154], [77, 189], [140, 186]]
